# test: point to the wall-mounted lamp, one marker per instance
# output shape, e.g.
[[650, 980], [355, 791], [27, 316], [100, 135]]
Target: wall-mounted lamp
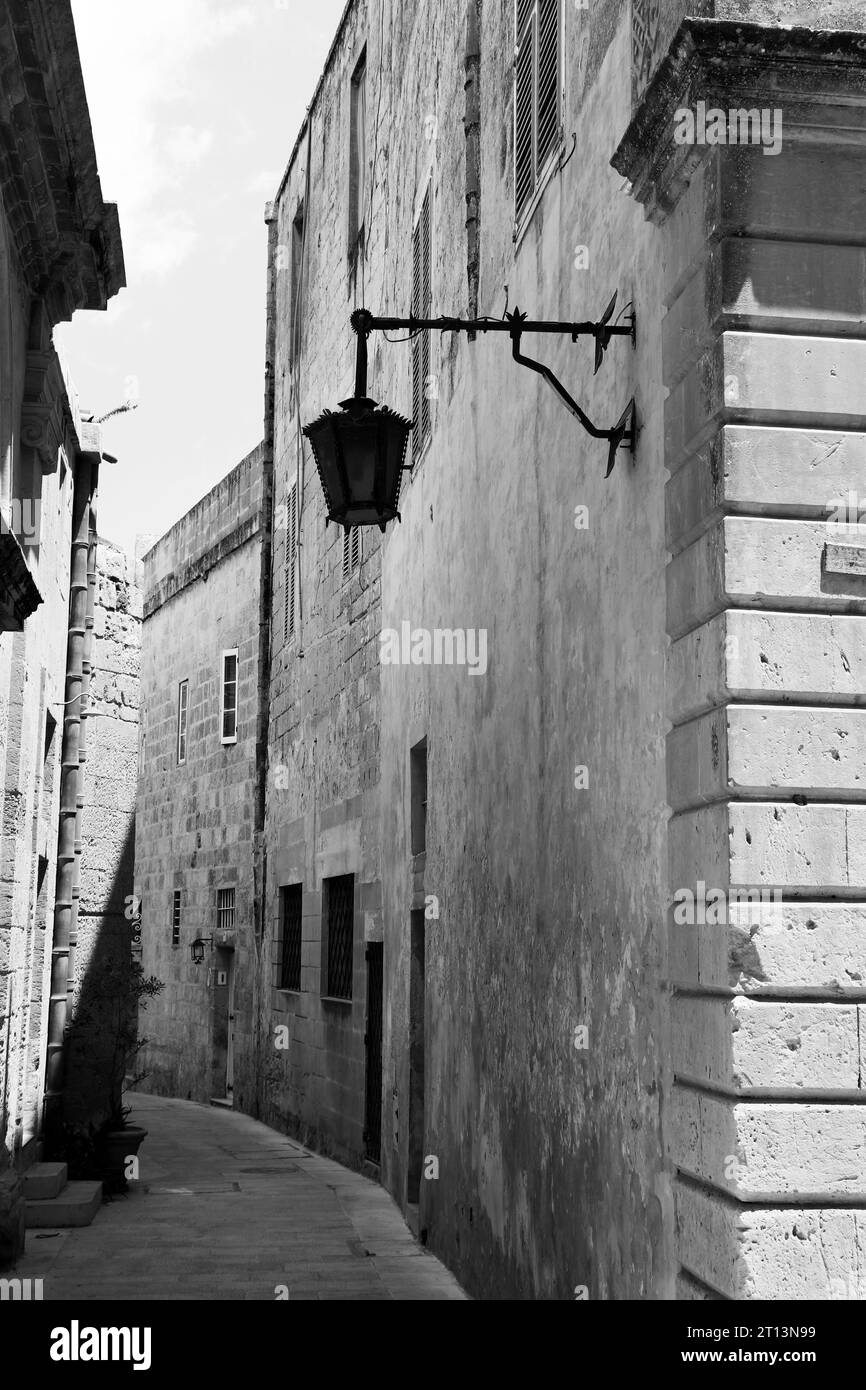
[[360, 453], [197, 948]]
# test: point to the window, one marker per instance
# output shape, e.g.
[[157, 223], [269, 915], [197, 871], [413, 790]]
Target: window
[[339, 908], [291, 564], [175, 918], [418, 792], [291, 926], [422, 300], [351, 552], [225, 909], [537, 98], [358, 155], [229, 698], [297, 308], [182, 720]]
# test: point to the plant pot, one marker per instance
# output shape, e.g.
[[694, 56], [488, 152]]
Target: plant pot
[[121, 1144]]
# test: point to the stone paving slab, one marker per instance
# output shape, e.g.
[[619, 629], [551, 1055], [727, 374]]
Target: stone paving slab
[[235, 1234]]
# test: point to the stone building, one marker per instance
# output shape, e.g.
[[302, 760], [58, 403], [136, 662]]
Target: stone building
[[60, 251], [521, 748], [196, 808]]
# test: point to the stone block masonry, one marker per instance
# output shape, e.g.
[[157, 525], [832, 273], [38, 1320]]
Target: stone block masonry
[[194, 844], [763, 426], [110, 784]]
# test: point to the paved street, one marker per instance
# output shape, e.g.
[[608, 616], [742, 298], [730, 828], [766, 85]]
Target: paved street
[[228, 1209]]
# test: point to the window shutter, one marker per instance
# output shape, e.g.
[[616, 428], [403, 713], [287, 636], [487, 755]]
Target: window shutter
[[524, 133], [548, 79], [422, 300], [537, 94], [351, 551], [291, 575]]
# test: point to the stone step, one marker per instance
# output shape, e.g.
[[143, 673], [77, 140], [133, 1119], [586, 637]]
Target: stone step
[[76, 1205], [44, 1180]]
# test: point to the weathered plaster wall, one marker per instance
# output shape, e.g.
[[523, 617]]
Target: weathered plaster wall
[[323, 792], [551, 1172], [194, 823]]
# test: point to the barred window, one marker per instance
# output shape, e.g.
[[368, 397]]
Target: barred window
[[175, 918], [339, 907], [537, 97], [225, 909], [291, 931]]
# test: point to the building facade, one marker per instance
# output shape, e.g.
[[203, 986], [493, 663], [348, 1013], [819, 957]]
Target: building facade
[[196, 809], [60, 251], [556, 875]]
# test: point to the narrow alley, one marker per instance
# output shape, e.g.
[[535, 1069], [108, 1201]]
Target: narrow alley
[[227, 1209]]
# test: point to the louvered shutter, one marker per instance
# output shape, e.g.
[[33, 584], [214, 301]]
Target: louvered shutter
[[351, 551], [422, 301], [537, 94], [524, 103], [548, 80], [291, 567]]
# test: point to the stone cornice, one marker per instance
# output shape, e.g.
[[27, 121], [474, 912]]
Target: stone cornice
[[817, 78], [200, 567], [67, 238]]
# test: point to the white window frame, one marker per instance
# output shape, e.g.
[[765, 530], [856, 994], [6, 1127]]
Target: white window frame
[[226, 656], [182, 723], [554, 159]]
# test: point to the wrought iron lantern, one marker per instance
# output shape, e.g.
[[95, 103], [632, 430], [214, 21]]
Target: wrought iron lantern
[[197, 948], [360, 452]]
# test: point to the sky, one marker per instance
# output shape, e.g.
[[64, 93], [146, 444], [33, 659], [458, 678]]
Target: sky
[[195, 107]]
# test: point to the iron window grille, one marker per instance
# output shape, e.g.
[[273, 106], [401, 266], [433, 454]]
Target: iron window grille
[[182, 721], [340, 908], [538, 99], [175, 918], [229, 698], [291, 935], [225, 909]]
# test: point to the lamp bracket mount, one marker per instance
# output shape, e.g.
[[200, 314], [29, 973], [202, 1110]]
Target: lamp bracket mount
[[622, 435]]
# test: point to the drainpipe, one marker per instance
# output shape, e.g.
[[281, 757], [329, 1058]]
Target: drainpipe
[[82, 593], [260, 854]]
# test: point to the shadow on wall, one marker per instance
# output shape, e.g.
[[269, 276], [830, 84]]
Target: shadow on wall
[[103, 1041]]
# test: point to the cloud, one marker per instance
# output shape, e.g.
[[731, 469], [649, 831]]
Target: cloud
[[185, 145], [142, 64], [166, 245]]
